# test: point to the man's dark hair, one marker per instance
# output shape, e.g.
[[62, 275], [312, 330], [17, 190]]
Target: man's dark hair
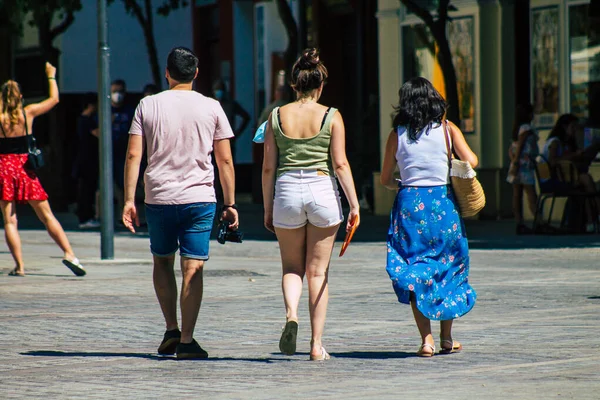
[[150, 88], [89, 99], [182, 64], [119, 82]]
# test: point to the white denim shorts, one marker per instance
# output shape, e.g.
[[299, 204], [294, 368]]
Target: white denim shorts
[[304, 196]]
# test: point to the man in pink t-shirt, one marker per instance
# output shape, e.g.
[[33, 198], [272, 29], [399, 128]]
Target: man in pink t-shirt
[[180, 128]]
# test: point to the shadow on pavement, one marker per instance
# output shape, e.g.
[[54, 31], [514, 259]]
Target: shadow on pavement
[[52, 353], [374, 355]]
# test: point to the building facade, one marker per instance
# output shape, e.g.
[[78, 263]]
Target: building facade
[[505, 52]]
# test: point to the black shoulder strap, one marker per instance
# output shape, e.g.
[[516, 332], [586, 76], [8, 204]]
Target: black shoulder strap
[[325, 117], [26, 127], [279, 119]]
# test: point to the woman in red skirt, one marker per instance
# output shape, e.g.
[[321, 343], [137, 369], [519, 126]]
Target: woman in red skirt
[[19, 184]]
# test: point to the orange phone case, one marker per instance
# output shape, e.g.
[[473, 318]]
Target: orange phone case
[[348, 238]]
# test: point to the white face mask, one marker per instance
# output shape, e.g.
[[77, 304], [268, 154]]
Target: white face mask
[[117, 97]]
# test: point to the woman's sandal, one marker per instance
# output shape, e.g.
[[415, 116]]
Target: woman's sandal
[[423, 353], [322, 357], [75, 266], [455, 347], [15, 272]]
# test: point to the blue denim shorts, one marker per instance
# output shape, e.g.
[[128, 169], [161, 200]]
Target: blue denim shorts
[[184, 226]]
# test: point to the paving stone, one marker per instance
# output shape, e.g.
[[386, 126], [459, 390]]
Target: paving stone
[[532, 335]]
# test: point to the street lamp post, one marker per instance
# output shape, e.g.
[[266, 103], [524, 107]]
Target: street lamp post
[[107, 228]]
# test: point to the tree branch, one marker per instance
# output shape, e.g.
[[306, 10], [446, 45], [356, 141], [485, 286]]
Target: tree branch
[[149, 13], [137, 11], [62, 27], [443, 10], [420, 12]]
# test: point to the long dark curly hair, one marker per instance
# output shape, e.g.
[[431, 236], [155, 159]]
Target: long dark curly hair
[[560, 130], [419, 106]]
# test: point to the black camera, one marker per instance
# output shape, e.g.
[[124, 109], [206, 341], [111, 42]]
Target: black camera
[[225, 234]]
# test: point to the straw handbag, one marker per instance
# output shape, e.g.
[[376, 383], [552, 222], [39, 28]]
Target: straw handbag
[[467, 189]]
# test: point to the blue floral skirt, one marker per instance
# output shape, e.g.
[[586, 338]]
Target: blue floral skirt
[[428, 253]]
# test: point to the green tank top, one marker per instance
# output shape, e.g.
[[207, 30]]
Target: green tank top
[[307, 153]]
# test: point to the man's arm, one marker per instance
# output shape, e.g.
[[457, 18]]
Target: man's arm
[[222, 152], [135, 150]]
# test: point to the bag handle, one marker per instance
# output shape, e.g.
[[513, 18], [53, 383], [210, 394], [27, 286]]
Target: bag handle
[[26, 127], [447, 137], [31, 145]]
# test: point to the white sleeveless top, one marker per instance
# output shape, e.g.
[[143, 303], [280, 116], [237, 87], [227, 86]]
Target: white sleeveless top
[[423, 162]]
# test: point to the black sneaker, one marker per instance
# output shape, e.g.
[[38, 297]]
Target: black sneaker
[[170, 342], [191, 351]]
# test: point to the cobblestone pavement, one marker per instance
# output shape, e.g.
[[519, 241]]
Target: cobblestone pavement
[[532, 335]]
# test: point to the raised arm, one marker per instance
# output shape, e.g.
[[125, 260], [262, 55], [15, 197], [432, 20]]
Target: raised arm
[[342, 167], [37, 109], [461, 148], [269, 169], [389, 162]]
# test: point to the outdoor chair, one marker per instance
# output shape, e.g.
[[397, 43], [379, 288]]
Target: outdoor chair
[[568, 173], [554, 183]]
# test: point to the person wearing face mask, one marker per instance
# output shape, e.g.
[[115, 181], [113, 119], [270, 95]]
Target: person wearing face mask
[[122, 115]]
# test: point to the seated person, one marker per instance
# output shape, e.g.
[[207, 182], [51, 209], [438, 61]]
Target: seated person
[[562, 146]]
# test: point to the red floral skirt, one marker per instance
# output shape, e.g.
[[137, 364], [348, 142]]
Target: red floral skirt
[[17, 183]]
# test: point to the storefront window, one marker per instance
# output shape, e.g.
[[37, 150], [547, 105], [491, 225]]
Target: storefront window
[[419, 60], [544, 65], [584, 43]]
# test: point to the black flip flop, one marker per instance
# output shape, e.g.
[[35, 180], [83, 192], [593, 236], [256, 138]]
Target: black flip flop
[[15, 273], [74, 266], [287, 343]]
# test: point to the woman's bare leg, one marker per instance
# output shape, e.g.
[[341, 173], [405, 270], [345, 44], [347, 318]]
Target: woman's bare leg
[[423, 324], [11, 233], [292, 244], [319, 245], [517, 203], [588, 184], [531, 197], [55, 230]]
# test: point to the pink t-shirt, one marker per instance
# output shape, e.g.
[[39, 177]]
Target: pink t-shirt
[[179, 127]]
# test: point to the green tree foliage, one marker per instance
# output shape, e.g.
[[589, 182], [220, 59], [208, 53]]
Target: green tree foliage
[[42, 14]]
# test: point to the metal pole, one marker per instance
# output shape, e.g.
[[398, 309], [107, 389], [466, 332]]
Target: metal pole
[[107, 228]]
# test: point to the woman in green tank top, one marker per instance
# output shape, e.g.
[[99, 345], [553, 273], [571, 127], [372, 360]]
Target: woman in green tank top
[[304, 152]]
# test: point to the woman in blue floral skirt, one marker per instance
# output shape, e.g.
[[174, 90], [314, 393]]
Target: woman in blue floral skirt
[[427, 250]]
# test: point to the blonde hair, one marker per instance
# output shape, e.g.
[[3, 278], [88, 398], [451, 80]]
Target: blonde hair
[[10, 101]]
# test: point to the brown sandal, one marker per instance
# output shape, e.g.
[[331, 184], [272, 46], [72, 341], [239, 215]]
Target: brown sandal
[[423, 353], [455, 346]]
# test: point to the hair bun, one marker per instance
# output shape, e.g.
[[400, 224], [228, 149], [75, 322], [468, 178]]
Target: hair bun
[[309, 59]]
